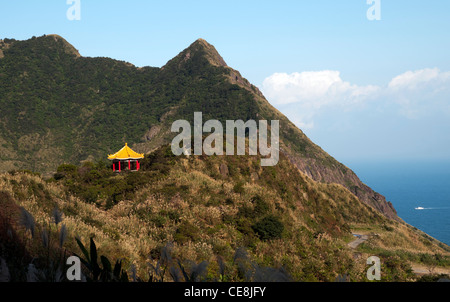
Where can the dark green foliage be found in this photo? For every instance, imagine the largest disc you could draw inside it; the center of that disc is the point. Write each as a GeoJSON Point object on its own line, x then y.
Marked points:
{"type": "Point", "coordinates": [239, 187]}
{"type": "Point", "coordinates": [97, 183]}
{"type": "Point", "coordinates": [260, 206]}
{"type": "Point", "coordinates": [91, 106]}
{"type": "Point", "coordinates": [434, 260]}
{"type": "Point", "coordinates": [395, 270]}
{"type": "Point", "coordinates": [159, 221]}
{"type": "Point", "coordinates": [270, 227]}
{"type": "Point", "coordinates": [185, 232]}
{"type": "Point", "coordinates": [245, 212]}
{"type": "Point", "coordinates": [245, 227]}
{"type": "Point", "coordinates": [159, 161]}
{"type": "Point", "coordinates": [229, 201]}
{"type": "Point", "coordinates": [172, 215]}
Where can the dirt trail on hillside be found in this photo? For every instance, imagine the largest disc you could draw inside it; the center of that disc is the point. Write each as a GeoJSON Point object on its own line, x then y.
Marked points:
{"type": "Point", "coordinates": [418, 269]}
{"type": "Point", "coordinates": [359, 239]}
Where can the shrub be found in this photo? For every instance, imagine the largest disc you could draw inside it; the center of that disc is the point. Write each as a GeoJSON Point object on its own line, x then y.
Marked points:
{"type": "Point", "coordinates": [270, 227]}
{"type": "Point", "coordinates": [171, 214]}
{"type": "Point", "coordinates": [229, 201]}
{"type": "Point", "coordinates": [185, 232]}
{"type": "Point", "coordinates": [159, 221]}
{"type": "Point", "coordinates": [67, 168]}
{"type": "Point", "coordinates": [261, 207]}
{"type": "Point", "coordinates": [245, 211]}
{"type": "Point", "coordinates": [239, 187]}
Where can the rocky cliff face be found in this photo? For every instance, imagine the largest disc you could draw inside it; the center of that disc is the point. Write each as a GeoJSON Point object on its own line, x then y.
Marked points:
{"type": "Point", "coordinates": [341, 174]}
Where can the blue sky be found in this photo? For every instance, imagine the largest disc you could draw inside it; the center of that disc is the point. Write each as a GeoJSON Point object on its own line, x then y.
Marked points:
{"type": "Point", "coordinates": [362, 90]}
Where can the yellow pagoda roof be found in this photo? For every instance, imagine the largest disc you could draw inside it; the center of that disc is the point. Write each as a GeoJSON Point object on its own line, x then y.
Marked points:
{"type": "Point", "coordinates": [125, 153]}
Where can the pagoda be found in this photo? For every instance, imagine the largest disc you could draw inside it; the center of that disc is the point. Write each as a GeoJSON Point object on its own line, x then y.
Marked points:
{"type": "Point", "coordinates": [126, 159]}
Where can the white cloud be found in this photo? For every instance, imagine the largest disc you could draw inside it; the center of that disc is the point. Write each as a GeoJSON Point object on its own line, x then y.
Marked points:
{"type": "Point", "coordinates": [420, 93]}
{"type": "Point", "coordinates": [305, 95]}
{"type": "Point", "coordinates": [420, 79]}
{"type": "Point", "coordinates": [314, 88]}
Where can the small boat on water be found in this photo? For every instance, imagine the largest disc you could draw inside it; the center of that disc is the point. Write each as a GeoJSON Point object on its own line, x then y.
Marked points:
{"type": "Point", "coordinates": [420, 208]}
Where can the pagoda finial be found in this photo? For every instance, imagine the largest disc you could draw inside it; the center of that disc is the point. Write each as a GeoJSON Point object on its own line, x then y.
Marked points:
{"type": "Point", "coordinates": [126, 144]}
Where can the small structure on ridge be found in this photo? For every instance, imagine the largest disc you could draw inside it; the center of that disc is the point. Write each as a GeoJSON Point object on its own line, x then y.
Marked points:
{"type": "Point", "coordinates": [126, 159]}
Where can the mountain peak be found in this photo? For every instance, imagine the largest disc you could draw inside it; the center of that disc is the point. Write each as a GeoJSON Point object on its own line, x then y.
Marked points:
{"type": "Point", "coordinates": [201, 41]}
{"type": "Point", "coordinates": [200, 48]}
{"type": "Point", "coordinates": [209, 50]}
{"type": "Point", "coordinates": [40, 44]}
{"type": "Point", "coordinates": [69, 48]}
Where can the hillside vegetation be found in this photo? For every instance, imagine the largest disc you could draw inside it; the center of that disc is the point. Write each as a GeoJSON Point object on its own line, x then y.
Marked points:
{"type": "Point", "coordinates": [239, 220]}
{"type": "Point", "coordinates": [59, 107]}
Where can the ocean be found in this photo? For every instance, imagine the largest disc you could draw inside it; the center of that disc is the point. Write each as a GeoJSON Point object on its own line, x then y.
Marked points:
{"type": "Point", "coordinates": [419, 191]}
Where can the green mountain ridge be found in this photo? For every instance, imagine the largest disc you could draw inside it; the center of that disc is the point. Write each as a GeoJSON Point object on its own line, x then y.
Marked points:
{"type": "Point", "coordinates": [60, 107]}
